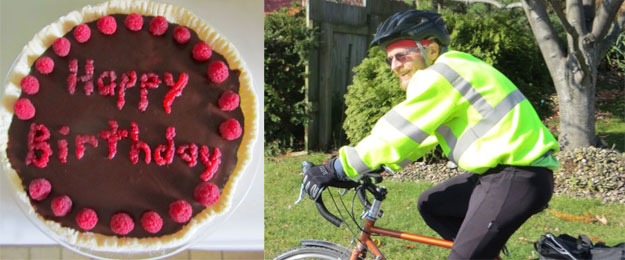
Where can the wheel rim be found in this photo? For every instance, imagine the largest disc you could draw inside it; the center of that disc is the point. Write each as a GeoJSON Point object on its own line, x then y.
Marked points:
{"type": "Point", "coordinates": [312, 256]}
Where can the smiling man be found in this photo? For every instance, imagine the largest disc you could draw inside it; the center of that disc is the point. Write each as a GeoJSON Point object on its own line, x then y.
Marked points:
{"type": "Point", "coordinates": [482, 122]}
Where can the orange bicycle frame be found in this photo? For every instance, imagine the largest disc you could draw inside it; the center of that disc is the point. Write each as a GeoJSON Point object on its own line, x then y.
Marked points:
{"type": "Point", "coordinates": [371, 229]}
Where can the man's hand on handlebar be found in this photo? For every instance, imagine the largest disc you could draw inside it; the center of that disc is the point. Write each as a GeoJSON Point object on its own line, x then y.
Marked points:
{"type": "Point", "coordinates": [317, 178]}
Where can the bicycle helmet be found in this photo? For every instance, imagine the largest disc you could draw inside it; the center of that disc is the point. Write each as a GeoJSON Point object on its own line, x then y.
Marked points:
{"type": "Point", "coordinates": [412, 25]}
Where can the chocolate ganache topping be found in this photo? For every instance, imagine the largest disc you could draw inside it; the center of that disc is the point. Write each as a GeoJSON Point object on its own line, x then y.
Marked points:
{"type": "Point", "coordinates": [110, 186]}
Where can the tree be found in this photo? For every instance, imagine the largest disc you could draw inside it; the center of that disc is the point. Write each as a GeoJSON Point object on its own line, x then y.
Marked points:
{"type": "Point", "coordinates": [591, 28]}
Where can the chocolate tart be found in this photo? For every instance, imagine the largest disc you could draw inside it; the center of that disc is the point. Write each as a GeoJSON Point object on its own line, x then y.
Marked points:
{"type": "Point", "coordinates": [164, 100]}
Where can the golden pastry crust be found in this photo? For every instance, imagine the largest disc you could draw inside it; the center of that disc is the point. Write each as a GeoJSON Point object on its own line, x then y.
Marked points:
{"type": "Point", "coordinates": [44, 39]}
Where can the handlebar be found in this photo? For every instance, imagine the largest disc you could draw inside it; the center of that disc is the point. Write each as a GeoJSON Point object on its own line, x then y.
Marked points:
{"type": "Point", "coordinates": [321, 208]}
{"type": "Point", "coordinates": [366, 185]}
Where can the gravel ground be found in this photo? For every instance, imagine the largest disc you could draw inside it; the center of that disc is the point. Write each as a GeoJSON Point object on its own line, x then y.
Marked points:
{"type": "Point", "coordinates": [584, 173]}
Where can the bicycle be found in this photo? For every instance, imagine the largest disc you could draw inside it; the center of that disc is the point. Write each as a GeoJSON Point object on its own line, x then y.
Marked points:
{"type": "Point", "coordinates": [318, 249]}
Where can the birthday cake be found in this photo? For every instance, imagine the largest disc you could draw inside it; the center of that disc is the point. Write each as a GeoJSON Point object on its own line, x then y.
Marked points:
{"type": "Point", "coordinates": [126, 125]}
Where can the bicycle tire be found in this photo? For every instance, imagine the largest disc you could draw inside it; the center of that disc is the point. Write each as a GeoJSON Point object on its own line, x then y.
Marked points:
{"type": "Point", "coordinates": [313, 252]}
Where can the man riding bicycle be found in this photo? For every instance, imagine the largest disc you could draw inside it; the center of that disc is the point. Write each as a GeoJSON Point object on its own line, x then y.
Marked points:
{"type": "Point", "coordinates": [481, 121]}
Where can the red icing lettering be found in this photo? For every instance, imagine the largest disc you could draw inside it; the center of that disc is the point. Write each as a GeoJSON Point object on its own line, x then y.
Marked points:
{"type": "Point", "coordinates": [148, 81]}
{"type": "Point", "coordinates": [191, 157]}
{"type": "Point", "coordinates": [169, 149]}
{"type": "Point", "coordinates": [63, 150]}
{"type": "Point", "coordinates": [81, 140]}
{"type": "Point", "coordinates": [108, 89]}
{"type": "Point", "coordinates": [175, 89]}
{"type": "Point", "coordinates": [73, 77]}
{"type": "Point", "coordinates": [129, 79]}
{"type": "Point", "coordinates": [211, 162]}
{"type": "Point", "coordinates": [112, 137]}
{"type": "Point", "coordinates": [138, 145]}
{"type": "Point", "coordinates": [38, 137]}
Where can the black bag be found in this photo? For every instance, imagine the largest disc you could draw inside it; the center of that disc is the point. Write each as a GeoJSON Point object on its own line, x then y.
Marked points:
{"type": "Point", "coordinates": [564, 246]}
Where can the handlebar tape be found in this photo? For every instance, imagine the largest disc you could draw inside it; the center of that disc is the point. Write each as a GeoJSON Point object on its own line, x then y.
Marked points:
{"type": "Point", "coordinates": [321, 208]}
{"type": "Point", "coordinates": [326, 214]}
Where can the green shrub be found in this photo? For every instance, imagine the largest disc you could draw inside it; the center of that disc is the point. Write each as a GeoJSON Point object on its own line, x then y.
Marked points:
{"type": "Point", "coordinates": [508, 45]}
{"type": "Point", "coordinates": [287, 42]}
{"type": "Point", "coordinates": [375, 90]}
{"type": "Point", "coordinates": [616, 54]}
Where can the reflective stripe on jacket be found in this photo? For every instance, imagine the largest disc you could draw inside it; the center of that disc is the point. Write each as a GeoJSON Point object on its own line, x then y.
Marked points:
{"type": "Point", "coordinates": [474, 112]}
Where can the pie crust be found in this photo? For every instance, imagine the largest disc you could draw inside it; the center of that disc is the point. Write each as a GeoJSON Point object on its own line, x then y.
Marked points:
{"type": "Point", "coordinates": [44, 39]}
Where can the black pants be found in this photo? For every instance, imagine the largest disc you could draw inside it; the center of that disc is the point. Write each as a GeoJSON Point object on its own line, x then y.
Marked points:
{"type": "Point", "coordinates": [480, 212]}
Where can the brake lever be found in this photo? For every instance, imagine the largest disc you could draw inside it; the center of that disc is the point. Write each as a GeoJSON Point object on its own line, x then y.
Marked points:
{"type": "Point", "coordinates": [302, 192]}
{"type": "Point", "coordinates": [387, 169]}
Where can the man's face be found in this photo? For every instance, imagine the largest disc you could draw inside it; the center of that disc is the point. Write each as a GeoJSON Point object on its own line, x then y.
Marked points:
{"type": "Point", "coordinates": [405, 61]}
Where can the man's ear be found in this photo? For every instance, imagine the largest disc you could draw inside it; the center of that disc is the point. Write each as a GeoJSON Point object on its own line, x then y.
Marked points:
{"type": "Point", "coordinates": [433, 51]}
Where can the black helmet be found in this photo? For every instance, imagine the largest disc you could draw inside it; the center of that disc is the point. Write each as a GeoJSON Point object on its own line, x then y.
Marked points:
{"type": "Point", "coordinates": [412, 25]}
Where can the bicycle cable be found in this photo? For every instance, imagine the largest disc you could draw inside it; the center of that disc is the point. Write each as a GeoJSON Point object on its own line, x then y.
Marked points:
{"type": "Point", "coordinates": [355, 237]}
{"type": "Point", "coordinates": [339, 211]}
{"type": "Point", "coordinates": [352, 216]}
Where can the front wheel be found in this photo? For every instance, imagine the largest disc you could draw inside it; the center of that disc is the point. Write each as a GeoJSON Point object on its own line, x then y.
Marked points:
{"type": "Point", "coordinates": [315, 250]}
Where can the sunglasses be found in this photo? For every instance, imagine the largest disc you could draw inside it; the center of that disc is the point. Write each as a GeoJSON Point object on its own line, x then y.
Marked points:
{"type": "Point", "coordinates": [400, 56]}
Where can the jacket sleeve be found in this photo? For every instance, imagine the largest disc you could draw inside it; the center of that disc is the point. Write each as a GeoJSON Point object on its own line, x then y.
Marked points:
{"type": "Point", "coordinates": [405, 133]}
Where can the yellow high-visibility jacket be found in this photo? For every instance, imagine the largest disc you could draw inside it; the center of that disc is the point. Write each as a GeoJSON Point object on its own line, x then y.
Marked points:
{"type": "Point", "coordinates": [474, 112]}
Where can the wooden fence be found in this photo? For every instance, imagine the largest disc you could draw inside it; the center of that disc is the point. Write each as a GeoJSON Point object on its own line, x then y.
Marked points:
{"type": "Point", "coordinates": [345, 33]}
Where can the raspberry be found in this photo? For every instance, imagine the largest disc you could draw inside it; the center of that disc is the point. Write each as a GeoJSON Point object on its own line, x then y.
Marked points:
{"type": "Point", "coordinates": [211, 162]}
{"type": "Point", "coordinates": [39, 189]}
{"type": "Point", "coordinates": [206, 193]}
{"type": "Point", "coordinates": [121, 223]}
{"type": "Point", "coordinates": [30, 85]}
{"type": "Point", "coordinates": [82, 33]}
{"type": "Point", "coordinates": [158, 25]}
{"type": "Point", "coordinates": [228, 101]}
{"type": "Point", "coordinates": [201, 51]}
{"type": "Point", "coordinates": [182, 34]}
{"type": "Point", "coordinates": [180, 211]}
{"type": "Point", "coordinates": [230, 129]}
{"type": "Point", "coordinates": [134, 22]}
{"type": "Point", "coordinates": [61, 46]}
{"type": "Point", "coordinates": [44, 65]}
{"type": "Point", "coordinates": [107, 25]}
{"type": "Point", "coordinates": [86, 218]}
{"type": "Point", "coordinates": [24, 109]}
{"type": "Point", "coordinates": [217, 71]}
{"type": "Point", "coordinates": [151, 222]}
{"type": "Point", "coordinates": [61, 205]}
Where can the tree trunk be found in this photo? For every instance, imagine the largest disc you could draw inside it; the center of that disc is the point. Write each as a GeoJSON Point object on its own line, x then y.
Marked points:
{"type": "Point", "coordinates": [576, 98]}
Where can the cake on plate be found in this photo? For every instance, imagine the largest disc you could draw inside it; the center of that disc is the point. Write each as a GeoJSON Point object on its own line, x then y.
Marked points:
{"type": "Point", "coordinates": [126, 125]}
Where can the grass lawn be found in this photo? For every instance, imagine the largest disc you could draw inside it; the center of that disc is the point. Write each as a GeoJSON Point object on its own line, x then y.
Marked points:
{"type": "Point", "coordinates": [286, 225]}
